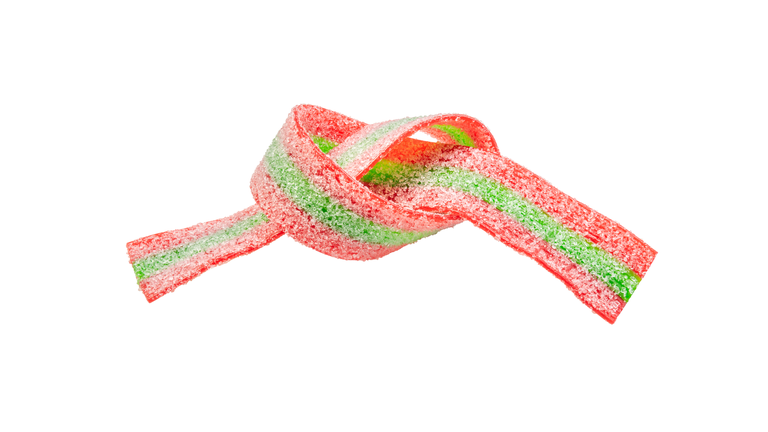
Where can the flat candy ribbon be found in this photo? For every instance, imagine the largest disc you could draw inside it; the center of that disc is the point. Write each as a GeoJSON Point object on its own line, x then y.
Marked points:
{"type": "Point", "coordinates": [361, 191]}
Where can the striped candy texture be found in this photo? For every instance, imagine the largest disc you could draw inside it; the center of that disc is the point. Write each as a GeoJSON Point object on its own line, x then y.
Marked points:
{"type": "Point", "coordinates": [361, 191]}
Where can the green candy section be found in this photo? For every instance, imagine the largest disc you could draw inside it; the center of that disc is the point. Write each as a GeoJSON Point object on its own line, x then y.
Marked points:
{"type": "Point", "coordinates": [622, 280]}
{"type": "Point", "coordinates": [325, 145]}
{"type": "Point", "coordinates": [369, 140]}
{"type": "Point", "coordinates": [457, 134]}
{"type": "Point", "coordinates": [158, 262]}
{"type": "Point", "coordinates": [326, 210]}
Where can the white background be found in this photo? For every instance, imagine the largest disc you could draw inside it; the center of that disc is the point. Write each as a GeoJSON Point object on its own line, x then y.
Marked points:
{"type": "Point", "coordinates": [122, 120]}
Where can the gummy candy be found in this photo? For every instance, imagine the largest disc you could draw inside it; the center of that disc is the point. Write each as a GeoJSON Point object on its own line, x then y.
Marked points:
{"type": "Point", "coordinates": [360, 191]}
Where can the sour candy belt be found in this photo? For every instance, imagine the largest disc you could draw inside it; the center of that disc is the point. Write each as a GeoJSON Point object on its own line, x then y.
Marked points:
{"type": "Point", "coordinates": [360, 191]}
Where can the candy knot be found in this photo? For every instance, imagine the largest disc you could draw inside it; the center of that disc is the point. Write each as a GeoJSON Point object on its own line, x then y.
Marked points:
{"type": "Point", "coordinates": [361, 191]}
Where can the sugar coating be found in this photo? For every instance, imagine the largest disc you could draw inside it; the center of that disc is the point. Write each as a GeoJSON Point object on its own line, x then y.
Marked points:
{"type": "Point", "coordinates": [314, 201]}
{"type": "Point", "coordinates": [577, 248]}
{"type": "Point", "coordinates": [164, 261]}
{"type": "Point", "coordinates": [303, 228]}
{"type": "Point", "coordinates": [186, 270]}
{"type": "Point", "coordinates": [154, 263]}
{"type": "Point", "coordinates": [598, 229]}
{"type": "Point", "coordinates": [342, 187]}
{"type": "Point", "coordinates": [361, 191]}
{"type": "Point", "coordinates": [367, 141]}
{"type": "Point", "coordinates": [163, 241]}
{"type": "Point", "coordinates": [452, 129]}
{"type": "Point", "coordinates": [601, 298]}
{"type": "Point", "coordinates": [457, 134]}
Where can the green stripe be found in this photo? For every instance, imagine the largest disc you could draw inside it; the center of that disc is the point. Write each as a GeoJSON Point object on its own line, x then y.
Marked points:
{"type": "Point", "coordinates": [153, 264]}
{"type": "Point", "coordinates": [369, 140]}
{"type": "Point", "coordinates": [324, 144]}
{"type": "Point", "coordinates": [622, 280]}
{"type": "Point", "coordinates": [327, 210]}
{"type": "Point", "coordinates": [457, 134]}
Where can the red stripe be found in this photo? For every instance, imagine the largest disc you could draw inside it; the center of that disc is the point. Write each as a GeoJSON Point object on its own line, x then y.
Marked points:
{"type": "Point", "coordinates": [326, 123]}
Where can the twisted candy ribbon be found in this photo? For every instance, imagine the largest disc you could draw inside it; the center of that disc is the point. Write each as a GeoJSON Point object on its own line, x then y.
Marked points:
{"type": "Point", "coordinates": [361, 191]}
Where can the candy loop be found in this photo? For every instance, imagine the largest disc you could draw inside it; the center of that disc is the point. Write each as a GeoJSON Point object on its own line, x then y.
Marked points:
{"type": "Point", "coordinates": [361, 191]}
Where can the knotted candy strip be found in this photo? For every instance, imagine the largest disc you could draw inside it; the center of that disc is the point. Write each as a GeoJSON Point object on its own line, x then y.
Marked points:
{"type": "Point", "coordinates": [358, 191]}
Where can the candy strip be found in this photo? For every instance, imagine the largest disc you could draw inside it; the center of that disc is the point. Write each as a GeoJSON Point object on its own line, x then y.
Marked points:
{"type": "Point", "coordinates": [160, 261]}
{"type": "Point", "coordinates": [603, 232]}
{"type": "Point", "coordinates": [578, 249]}
{"type": "Point", "coordinates": [358, 191]}
{"type": "Point", "coordinates": [602, 299]}
{"type": "Point", "coordinates": [164, 261]}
